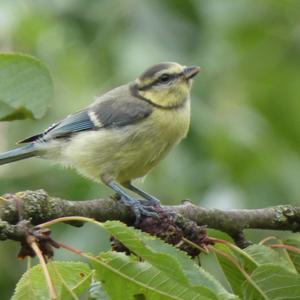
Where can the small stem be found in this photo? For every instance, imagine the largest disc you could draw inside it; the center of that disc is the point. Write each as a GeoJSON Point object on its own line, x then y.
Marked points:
{"type": "Point", "coordinates": [234, 248]}
{"type": "Point", "coordinates": [287, 247]}
{"type": "Point", "coordinates": [204, 250]}
{"type": "Point", "coordinates": [267, 239]}
{"type": "Point", "coordinates": [70, 248]}
{"type": "Point", "coordinates": [29, 263]}
{"type": "Point", "coordinates": [68, 219]}
{"type": "Point", "coordinates": [41, 258]}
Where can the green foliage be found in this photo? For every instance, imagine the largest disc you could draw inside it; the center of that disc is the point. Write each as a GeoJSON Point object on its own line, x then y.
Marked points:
{"type": "Point", "coordinates": [294, 257]}
{"type": "Point", "coordinates": [124, 277]}
{"type": "Point", "coordinates": [156, 270]}
{"type": "Point", "coordinates": [235, 266]}
{"type": "Point", "coordinates": [71, 279]}
{"type": "Point", "coordinates": [171, 261]}
{"type": "Point", "coordinates": [260, 272]}
{"type": "Point", "coordinates": [25, 87]}
{"type": "Point", "coordinates": [219, 235]}
{"type": "Point", "coordinates": [274, 283]}
{"type": "Point", "coordinates": [263, 255]}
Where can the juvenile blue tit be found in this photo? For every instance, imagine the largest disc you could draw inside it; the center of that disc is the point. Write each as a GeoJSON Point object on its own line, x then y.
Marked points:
{"type": "Point", "coordinates": [123, 134]}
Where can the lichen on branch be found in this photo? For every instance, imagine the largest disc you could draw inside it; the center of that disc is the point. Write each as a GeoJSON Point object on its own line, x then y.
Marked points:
{"type": "Point", "coordinates": [38, 207]}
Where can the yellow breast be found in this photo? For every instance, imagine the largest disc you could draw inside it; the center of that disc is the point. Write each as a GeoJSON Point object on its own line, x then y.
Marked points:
{"type": "Point", "coordinates": [158, 135]}
{"type": "Point", "coordinates": [173, 124]}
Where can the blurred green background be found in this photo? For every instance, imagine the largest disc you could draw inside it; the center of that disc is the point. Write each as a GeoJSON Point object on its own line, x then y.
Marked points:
{"type": "Point", "coordinates": [243, 146]}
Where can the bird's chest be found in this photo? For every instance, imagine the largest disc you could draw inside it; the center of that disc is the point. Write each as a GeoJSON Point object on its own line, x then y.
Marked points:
{"type": "Point", "coordinates": [154, 139]}
{"type": "Point", "coordinates": [170, 126]}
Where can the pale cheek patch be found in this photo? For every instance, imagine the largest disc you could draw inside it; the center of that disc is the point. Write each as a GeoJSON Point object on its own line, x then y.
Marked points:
{"type": "Point", "coordinates": [95, 119]}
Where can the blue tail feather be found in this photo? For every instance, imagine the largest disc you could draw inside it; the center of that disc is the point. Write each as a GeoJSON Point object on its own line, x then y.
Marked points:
{"type": "Point", "coordinates": [18, 154]}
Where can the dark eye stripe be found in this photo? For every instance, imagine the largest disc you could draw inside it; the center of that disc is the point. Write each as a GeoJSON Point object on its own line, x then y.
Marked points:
{"type": "Point", "coordinates": [157, 82]}
{"type": "Point", "coordinates": [165, 79]}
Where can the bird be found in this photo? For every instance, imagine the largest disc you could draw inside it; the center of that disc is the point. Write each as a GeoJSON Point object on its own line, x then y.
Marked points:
{"type": "Point", "coordinates": [122, 134]}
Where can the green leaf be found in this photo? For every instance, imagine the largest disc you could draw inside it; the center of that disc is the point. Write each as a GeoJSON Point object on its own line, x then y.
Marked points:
{"type": "Point", "coordinates": [25, 87]}
{"type": "Point", "coordinates": [232, 271]}
{"type": "Point", "coordinates": [295, 257]}
{"type": "Point", "coordinates": [69, 279]}
{"type": "Point", "coordinates": [173, 262]}
{"type": "Point", "coordinates": [97, 292]}
{"type": "Point", "coordinates": [275, 283]}
{"type": "Point", "coordinates": [5, 110]}
{"type": "Point", "coordinates": [236, 265]}
{"type": "Point", "coordinates": [124, 277]}
{"type": "Point", "coordinates": [82, 286]}
{"type": "Point", "coordinates": [247, 261]}
{"type": "Point", "coordinates": [264, 255]}
{"type": "Point", "coordinates": [219, 235]}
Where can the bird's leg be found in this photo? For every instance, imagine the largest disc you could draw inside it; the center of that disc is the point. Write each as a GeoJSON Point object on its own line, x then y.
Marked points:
{"type": "Point", "coordinates": [151, 201]}
{"type": "Point", "coordinates": [138, 208]}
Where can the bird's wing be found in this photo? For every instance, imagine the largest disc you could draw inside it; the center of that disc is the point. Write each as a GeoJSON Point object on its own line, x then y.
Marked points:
{"type": "Point", "coordinates": [110, 113]}
{"type": "Point", "coordinates": [120, 112]}
{"type": "Point", "coordinates": [73, 123]}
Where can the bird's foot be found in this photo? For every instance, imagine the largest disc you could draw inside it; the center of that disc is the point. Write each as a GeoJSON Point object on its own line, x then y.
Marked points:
{"type": "Point", "coordinates": [151, 202]}
{"type": "Point", "coordinates": [139, 208]}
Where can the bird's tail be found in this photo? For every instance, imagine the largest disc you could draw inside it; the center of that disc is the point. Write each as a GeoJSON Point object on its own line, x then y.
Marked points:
{"type": "Point", "coordinates": [27, 151]}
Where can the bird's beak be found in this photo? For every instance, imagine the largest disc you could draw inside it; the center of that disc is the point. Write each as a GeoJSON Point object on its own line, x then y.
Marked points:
{"type": "Point", "coordinates": [190, 72]}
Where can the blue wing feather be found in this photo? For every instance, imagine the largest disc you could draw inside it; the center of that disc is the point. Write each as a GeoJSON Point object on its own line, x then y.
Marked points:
{"type": "Point", "coordinates": [71, 124]}
{"type": "Point", "coordinates": [112, 113]}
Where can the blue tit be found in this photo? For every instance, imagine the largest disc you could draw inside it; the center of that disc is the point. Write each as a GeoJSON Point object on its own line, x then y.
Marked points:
{"type": "Point", "coordinates": [123, 134]}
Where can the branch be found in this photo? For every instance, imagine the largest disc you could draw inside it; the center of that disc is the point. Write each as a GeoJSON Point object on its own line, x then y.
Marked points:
{"type": "Point", "coordinates": [235, 221]}
{"type": "Point", "coordinates": [39, 207]}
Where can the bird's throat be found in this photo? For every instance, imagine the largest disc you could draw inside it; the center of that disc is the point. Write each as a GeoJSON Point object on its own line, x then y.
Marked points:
{"type": "Point", "coordinates": [162, 99]}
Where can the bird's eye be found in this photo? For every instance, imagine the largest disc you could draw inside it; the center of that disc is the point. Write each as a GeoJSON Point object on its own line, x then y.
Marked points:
{"type": "Point", "coordinates": [164, 78]}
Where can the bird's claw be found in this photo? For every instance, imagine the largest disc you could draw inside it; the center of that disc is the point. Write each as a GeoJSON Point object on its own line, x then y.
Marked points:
{"type": "Point", "coordinates": [139, 209]}
{"type": "Point", "coordinates": [151, 202]}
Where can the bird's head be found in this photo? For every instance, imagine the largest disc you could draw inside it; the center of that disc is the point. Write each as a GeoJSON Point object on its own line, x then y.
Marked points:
{"type": "Point", "coordinates": [166, 84]}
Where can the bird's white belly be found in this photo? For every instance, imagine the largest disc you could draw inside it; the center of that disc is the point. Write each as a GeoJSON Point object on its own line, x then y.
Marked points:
{"type": "Point", "coordinates": [129, 152]}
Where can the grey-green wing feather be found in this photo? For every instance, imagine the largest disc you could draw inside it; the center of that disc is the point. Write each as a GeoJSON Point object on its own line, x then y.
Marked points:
{"type": "Point", "coordinates": [110, 113]}
{"type": "Point", "coordinates": [118, 113]}
{"type": "Point", "coordinates": [71, 124]}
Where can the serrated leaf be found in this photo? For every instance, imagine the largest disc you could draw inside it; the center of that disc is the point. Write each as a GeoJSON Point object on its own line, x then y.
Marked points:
{"type": "Point", "coordinates": [32, 284]}
{"type": "Point", "coordinates": [173, 262]}
{"type": "Point", "coordinates": [275, 283]}
{"type": "Point", "coordinates": [124, 277]}
{"type": "Point", "coordinates": [25, 87]}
